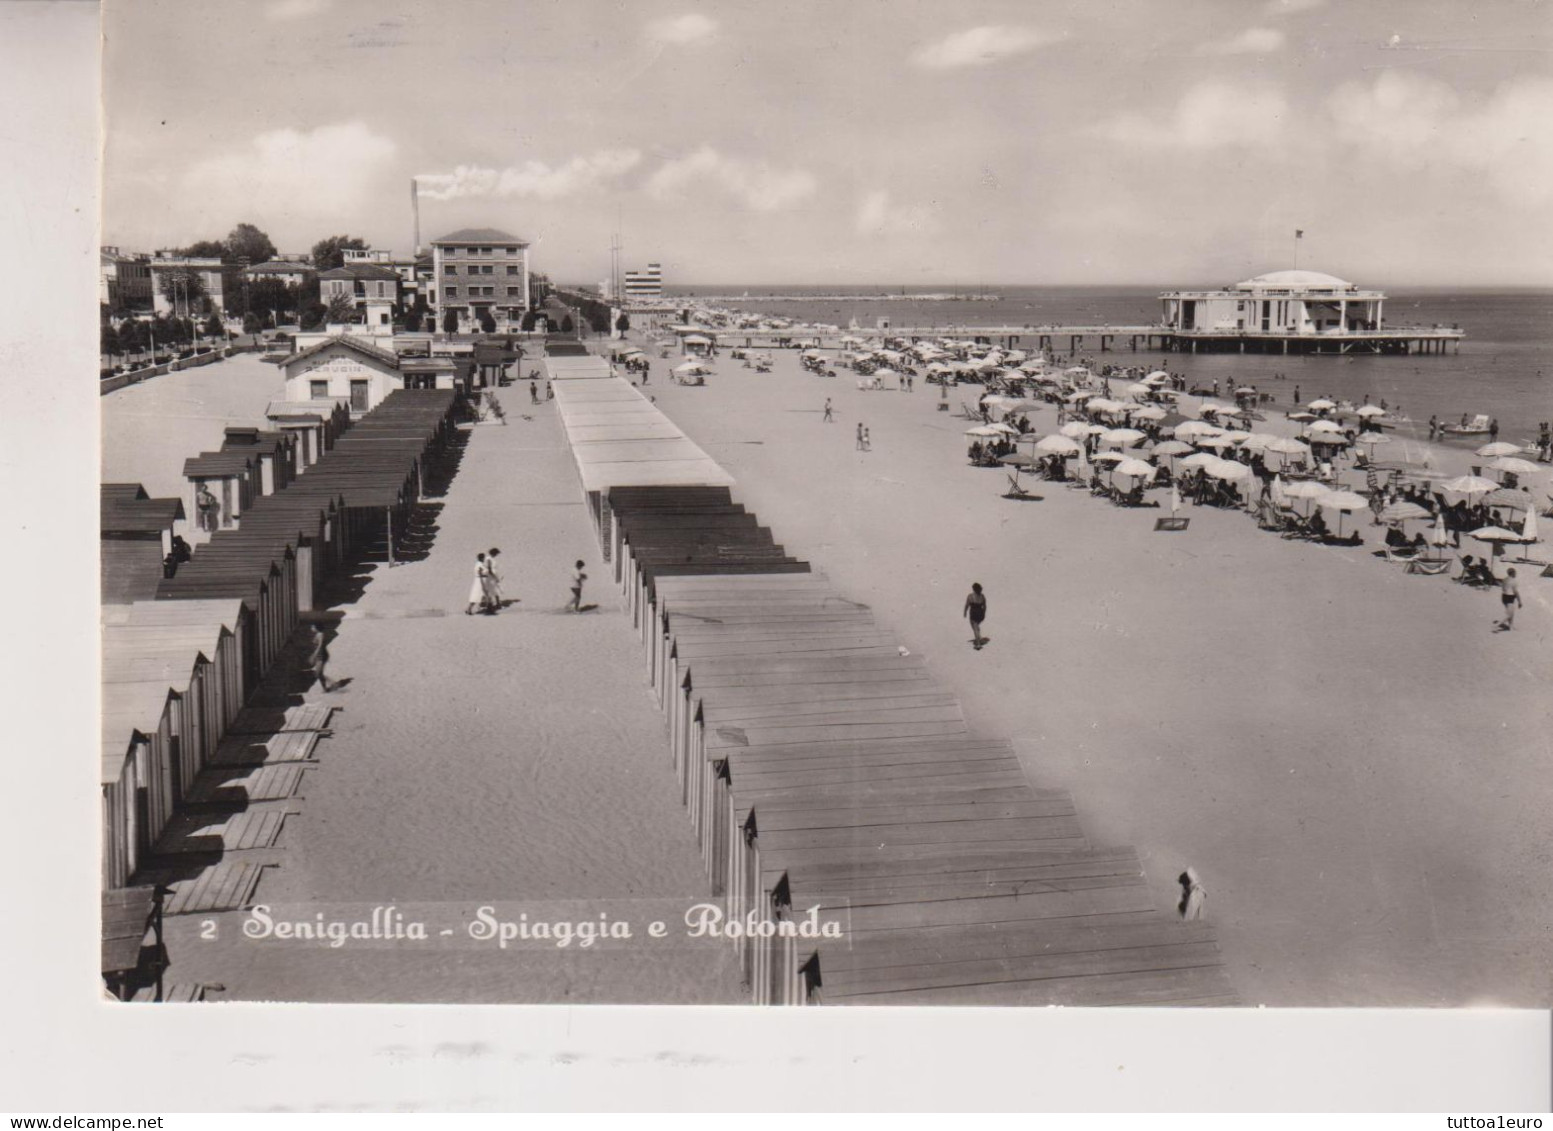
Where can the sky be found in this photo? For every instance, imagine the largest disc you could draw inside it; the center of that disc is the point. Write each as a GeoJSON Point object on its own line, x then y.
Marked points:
{"type": "Point", "coordinates": [889, 142]}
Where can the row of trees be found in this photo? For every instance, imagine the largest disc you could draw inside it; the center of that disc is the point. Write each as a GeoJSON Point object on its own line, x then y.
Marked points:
{"type": "Point", "coordinates": [139, 336]}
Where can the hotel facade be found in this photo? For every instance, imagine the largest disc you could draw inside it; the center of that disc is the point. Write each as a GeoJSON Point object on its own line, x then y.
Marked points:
{"type": "Point", "coordinates": [478, 271]}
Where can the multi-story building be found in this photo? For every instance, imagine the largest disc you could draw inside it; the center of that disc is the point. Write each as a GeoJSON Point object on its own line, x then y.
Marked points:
{"type": "Point", "coordinates": [184, 287]}
{"type": "Point", "coordinates": [646, 284]}
{"type": "Point", "coordinates": [365, 284]}
{"type": "Point", "coordinates": [125, 281]}
{"type": "Point", "coordinates": [480, 271]}
{"type": "Point", "coordinates": [287, 271]}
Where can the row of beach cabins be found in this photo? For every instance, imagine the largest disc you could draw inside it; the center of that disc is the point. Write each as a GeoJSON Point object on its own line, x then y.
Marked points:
{"type": "Point", "coordinates": [865, 844]}
{"type": "Point", "coordinates": [189, 636]}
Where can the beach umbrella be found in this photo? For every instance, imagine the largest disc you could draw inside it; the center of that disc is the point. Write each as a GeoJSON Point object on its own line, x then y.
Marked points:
{"type": "Point", "coordinates": [1237, 437]}
{"type": "Point", "coordinates": [1335, 439]}
{"type": "Point", "coordinates": [1529, 527]}
{"type": "Point", "coordinates": [1287, 447]}
{"type": "Point", "coordinates": [1257, 441]}
{"type": "Point", "coordinates": [1082, 395]}
{"type": "Point", "coordinates": [1228, 469]}
{"type": "Point", "coordinates": [1233, 412]}
{"type": "Point", "coordinates": [1307, 489]}
{"type": "Point", "coordinates": [1190, 428]}
{"type": "Point", "coordinates": [1018, 460]}
{"type": "Point", "coordinates": [1212, 407]}
{"type": "Point", "coordinates": [1023, 404]}
{"type": "Point", "coordinates": [1324, 426]}
{"type": "Point", "coordinates": [1199, 459]}
{"type": "Point", "coordinates": [987, 430]}
{"type": "Point", "coordinates": [1112, 457]}
{"type": "Point", "coordinates": [1275, 491]}
{"type": "Point", "coordinates": [1343, 500]}
{"type": "Point", "coordinates": [1158, 377]}
{"type": "Point", "coordinates": [1441, 536]}
{"type": "Point", "coordinates": [1126, 437]}
{"type": "Point", "coordinates": [998, 400]}
{"type": "Point", "coordinates": [1302, 417]}
{"type": "Point", "coordinates": [1402, 512]}
{"type": "Point", "coordinates": [1075, 429]}
{"type": "Point", "coordinates": [1059, 445]}
{"type": "Point", "coordinates": [1498, 448]}
{"type": "Point", "coordinates": [1370, 410]}
{"type": "Point", "coordinates": [1004, 429]}
{"type": "Point", "coordinates": [1321, 404]}
{"type": "Point", "coordinates": [1495, 534]}
{"type": "Point", "coordinates": [1217, 443]}
{"type": "Point", "coordinates": [1076, 371]}
{"type": "Point", "coordinates": [691, 367]}
{"type": "Point", "coordinates": [1095, 429]}
{"type": "Point", "coordinates": [1469, 485]}
{"type": "Point", "coordinates": [1373, 438]}
{"type": "Point", "coordinates": [1134, 469]}
{"type": "Point", "coordinates": [1514, 465]}
{"type": "Point", "coordinates": [1510, 499]}
{"type": "Point", "coordinates": [1172, 448]}
{"type": "Point", "coordinates": [1139, 389]}
{"type": "Point", "coordinates": [1152, 412]}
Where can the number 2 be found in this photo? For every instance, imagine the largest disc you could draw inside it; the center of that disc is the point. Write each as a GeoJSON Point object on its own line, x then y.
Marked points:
{"type": "Point", "coordinates": [207, 928]}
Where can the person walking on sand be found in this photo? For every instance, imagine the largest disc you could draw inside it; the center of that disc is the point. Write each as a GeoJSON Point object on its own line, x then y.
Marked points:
{"type": "Point", "coordinates": [317, 657]}
{"type": "Point", "coordinates": [477, 587]}
{"type": "Point", "coordinates": [860, 436]}
{"type": "Point", "coordinates": [1434, 427]}
{"type": "Point", "coordinates": [976, 610]}
{"type": "Point", "coordinates": [533, 391]}
{"type": "Point", "coordinates": [577, 578]}
{"type": "Point", "coordinates": [868, 443]}
{"type": "Point", "coordinates": [1193, 895]}
{"type": "Point", "coordinates": [830, 417]}
{"type": "Point", "coordinates": [493, 599]}
{"type": "Point", "coordinates": [1510, 597]}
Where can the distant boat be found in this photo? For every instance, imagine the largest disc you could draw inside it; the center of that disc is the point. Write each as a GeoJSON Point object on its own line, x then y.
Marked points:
{"type": "Point", "coordinates": [1479, 425]}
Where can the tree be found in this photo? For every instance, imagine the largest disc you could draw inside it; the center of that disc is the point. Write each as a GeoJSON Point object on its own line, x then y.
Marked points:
{"type": "Point", "coordinates": [313, 315]}
{"type": "Point", "coordinates": [412, 322]}
{"type": "Point", "coordinates": [110, 341]}
{"type": "Point", "coordinates": [213, 326]}
{"type": "Point", "coordinates": [450, 322]}
{"type": "Point", "coordinates": [184, 290]}
{"type": "Point", "coordinates": [132, 336]}
{"type": "Point", "coordinates": [330, 253]}
{"type": "Point", "coordinates": [269, 296]}
{"type": "Point", "coordinates": [252, 323]}
{"type": "Point", "coordinates": [487, 323]}
{"type": "Point", "coordinates": [246, 242]}
{"type": "Point", "coordinates": [567, 325]}
{"type": "Point", "coordinates": [341, 308]}
{"type": "Point", "coordinates": [205, 249]}
{"type": "Point", "coordinates": [622, 323]}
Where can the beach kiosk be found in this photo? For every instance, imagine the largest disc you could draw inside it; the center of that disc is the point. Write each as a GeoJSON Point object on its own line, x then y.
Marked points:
{"type": "Point", "coordinates": [136, 533]}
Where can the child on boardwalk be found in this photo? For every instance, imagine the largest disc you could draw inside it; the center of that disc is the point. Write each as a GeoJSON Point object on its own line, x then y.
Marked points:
{"type": "Point", "coordinates": [578, 577]}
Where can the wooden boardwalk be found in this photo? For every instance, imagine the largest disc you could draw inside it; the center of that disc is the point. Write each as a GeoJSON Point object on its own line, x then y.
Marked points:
{"type": "Point", "coordinates": [824, 768]}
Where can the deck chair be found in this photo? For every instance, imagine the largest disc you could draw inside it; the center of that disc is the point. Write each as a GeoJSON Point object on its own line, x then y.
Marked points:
{"type": "Point", "coordinates": [1016, 489]}
{"type": "Point", "coordinates": [1396, 554]}
{"type": "Point", "coordinates": [1430, 566]}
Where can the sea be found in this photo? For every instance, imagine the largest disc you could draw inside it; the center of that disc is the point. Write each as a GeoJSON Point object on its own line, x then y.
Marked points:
{"type": "Point", "coordinates": [1502, 367]}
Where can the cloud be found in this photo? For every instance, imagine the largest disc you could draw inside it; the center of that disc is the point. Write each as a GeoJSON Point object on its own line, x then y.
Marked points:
{"type": "Point", "coordinates": [878, 215]}
{"type": "Point", "coordinates": [1211, 115]}
{"type": "Point", "coordinates": [533, 179]}
{"type": "Point", "coordinates": [295, 9]}
{"type": "Point", "coordinates": [689, 28]}
{"type": "Point", "coordinates": [1291, 7]}
{"type": "Point", "coordinates": [329, 170]}
{"type": "Point", "coordinates": [1418, 123]}
{"type": "Point", "coordinates": [1252, 41]}
{"type": "Point", "coordinates": [754, 184]}
{"type": "Point", "coordinates": [979, 46]}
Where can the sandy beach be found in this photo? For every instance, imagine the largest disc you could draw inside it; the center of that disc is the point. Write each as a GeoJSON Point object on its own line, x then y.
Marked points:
{"type": "Point", "coordinates": [1350, 756]}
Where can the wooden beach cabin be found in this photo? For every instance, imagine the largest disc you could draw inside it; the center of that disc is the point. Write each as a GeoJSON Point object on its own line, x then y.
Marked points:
{"type": "Point", "coordinates": [136, 536]}
{"type": "Point", "coordinates": [230, 476]}
{"type": "Point", "coordinates": [275, 451]}
{"type": "Point", "coordinates": [315, 424]}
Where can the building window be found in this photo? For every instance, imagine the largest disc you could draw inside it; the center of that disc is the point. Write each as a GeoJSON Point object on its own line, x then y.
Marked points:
{"type": "Point", "coordinates": [512, 292]}
{"type": "Point", "coordinates": [485, 251]}
{"type": "Point", "coordinates": [512, 251]}
{"type": "Point", "coordinates": [450, 292]}
{"type": "Point", "coordinates": [512, 269]}
{"type": "Point", "coordinates": [450, 270]}
{"type": "Point", "coordinates": [318, 390]}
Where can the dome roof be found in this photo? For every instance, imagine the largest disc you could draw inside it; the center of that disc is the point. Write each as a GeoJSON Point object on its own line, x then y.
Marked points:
{"type": "Point", "coordinates": [1294, 279]}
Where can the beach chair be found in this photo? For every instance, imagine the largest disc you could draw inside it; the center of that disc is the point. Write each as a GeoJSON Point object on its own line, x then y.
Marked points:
{"type": "Point", "coordinates": [1406, 555]}
{"type": "Point", "coordinates": [1427, 565]}
{"type": "Point", "coordinates": [1016, 489]}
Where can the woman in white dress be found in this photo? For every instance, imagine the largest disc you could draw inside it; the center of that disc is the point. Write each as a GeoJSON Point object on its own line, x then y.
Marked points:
{"type": "Point", "coordinates": [477, 587]}
{"type": "Point", "coordinates": [493, 600]}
